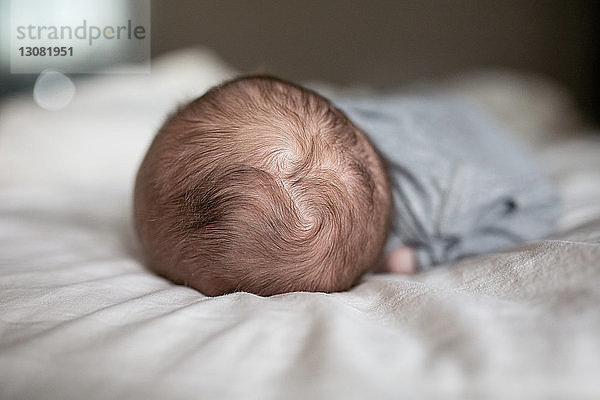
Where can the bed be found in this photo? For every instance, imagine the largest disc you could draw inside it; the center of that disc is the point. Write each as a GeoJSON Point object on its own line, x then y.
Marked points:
{"type": "Point", "coordinates": [81, 317]}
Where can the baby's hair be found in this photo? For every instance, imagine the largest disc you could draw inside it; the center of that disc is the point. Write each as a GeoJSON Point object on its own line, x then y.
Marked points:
{"type": "Point", "coordinates": [263, 186]}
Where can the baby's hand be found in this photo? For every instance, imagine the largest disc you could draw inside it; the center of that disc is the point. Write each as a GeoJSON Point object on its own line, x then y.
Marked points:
{"type": "Point", "coordinates": [401, 260]}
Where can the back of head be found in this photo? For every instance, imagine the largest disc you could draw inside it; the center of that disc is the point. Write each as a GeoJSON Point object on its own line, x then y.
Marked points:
{"type": "Point", "coordinates": [262, 186]}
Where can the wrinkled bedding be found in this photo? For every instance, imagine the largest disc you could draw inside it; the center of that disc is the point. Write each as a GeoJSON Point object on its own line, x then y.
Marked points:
{"type": "Point", "coordinates": [80, 316]}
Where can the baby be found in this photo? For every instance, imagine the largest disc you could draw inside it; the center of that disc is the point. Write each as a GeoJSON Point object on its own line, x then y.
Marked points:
{"type": "Point", "coordinates": [263, 186]}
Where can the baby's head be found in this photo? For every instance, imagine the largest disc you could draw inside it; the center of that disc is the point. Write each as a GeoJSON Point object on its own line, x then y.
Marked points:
{"type": "Point", "coordinates": [262, 186]}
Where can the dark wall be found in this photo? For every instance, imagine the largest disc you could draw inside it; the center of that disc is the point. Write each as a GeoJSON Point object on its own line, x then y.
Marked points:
{"type": "Point", "coordinates": [389, 42]}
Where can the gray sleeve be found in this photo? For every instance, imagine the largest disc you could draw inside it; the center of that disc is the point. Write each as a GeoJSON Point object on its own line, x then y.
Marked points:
{"type": "Point", "coordinates": [483, 213]}
{"type": "Point", "coordinates": [461, 187]}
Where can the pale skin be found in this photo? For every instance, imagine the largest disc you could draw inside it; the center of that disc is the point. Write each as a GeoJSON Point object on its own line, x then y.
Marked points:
{"type": "Point", "coordinates": [400, 260]}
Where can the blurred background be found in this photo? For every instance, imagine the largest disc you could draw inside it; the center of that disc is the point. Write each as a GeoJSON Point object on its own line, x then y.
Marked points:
{"type": "Point", "coordinates": [381, 43]}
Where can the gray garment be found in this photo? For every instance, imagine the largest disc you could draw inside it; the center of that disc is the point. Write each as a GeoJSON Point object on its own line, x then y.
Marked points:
{"type": "Point", "coordinates": [461, 186]}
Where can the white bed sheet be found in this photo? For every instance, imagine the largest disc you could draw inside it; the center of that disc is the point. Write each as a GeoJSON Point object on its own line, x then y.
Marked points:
{"type": "Point", "coordinates": [80, 317]}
